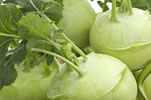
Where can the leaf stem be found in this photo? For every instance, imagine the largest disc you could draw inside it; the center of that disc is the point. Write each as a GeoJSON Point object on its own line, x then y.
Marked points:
{"type": "Point", "coordinates": [35, 7]}
{"type": "Point", "coordinates": [9, 35]}
{"type": "Point", "coordinates": [104, 5]}
{"type": "Point", "coordinates": [9, 53]}
{"type": "Point", "coordinates": [141, 78]}
{"type": "Point", "coordinates": [79, 71]}
{"type": "Point", "coordinates": [130, 7]}
{"type": "Point", "coordinates": [62, 34]}
{"type": "Point", "coordinates": [113, 18]}
{"type": "Point", "coordinates": [27, 64]}
{"type": "Point", "coordinates": [68, 40]}
{"type": "Point", "coordinates": [74, 46]}
{"type": "Point", "coordinates": [57, 63]}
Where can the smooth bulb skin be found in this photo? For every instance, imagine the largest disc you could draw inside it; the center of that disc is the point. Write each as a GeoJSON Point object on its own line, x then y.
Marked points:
{"type": "Point", "coordinates": [128, 39]}
{"type": "Point", "coordinates": [105, 78]}
{"type": "Point", "coordinates": [78, 17]}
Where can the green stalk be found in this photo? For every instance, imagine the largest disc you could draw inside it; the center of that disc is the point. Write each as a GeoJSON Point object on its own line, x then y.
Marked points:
{"type": "Point", "coordinates": [35, 7]}
{"type": "Point", "coordinates": [10, 53]}
{"type": "Point", "coordinates": [79, 71]}
{"type": "Point", "coordinates": [123, 7]}
{"type": "Point", "coordinates": [27, 64]}
{"type": "Point", "coordinates": [68, 40]}
{"type": "Point", "coordinates": [104, 5]}
{"type": "Point", "coordinates": [113, 18]}
{"type": "Point", "coordinates": [74, 46]}
{"type": "Point", "coordinates": [46, 68]}
{"type": "Point", "coordinates": [10, 35]}
{"type": "Point", "coordinates": [141, 78]}
{"type": "Point", "coordinates": [56, 62]}
{"type": "Point", "coordinates": [54, 44]}
{"type": "Point", "coordinates": [62, 34]}
{"type": "Point", "coordinates": [130, 7]}
{"type": "Point", "coordinates": [51, 42]}
{"type": "Point", "coordinates": [53, 71]}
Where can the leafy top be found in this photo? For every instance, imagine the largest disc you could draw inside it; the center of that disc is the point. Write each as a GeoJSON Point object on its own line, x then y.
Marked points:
{"type": "Point", "coordinates": [27, 28]}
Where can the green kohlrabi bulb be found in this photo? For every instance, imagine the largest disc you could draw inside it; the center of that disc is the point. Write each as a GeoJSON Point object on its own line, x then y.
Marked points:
{"type": "Point", "coordinates": [31, 85]}
{"type": "Point", "coordinates": [105, 78]}
{"type": "Point", "coordinates": [129, 38]}
{"type": "Point", "coordinates": [78, 16]}
{"type": "Point", "coordinates": [147, 86]}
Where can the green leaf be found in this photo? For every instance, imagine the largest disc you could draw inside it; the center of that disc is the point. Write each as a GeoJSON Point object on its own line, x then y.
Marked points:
{"type": "Point", "coordinates": [19, 54]}
{"type": "Point", "coordinates": [52, 8]}
{"type": "Point", "coordinates": [15, 15]}
{"type": "Point", "coordinates": [5, 20]}
{"type": "Point", "coordinates": [4, 44]}
{"type": "Point", "coordinates": [36, 58]}
{"type": "Point", "coordinates": [31, 43]}
{"type": "Point", "coordinates": [33, 26]}
{"type": "Point", "coordinates": [50, 60]}
{"type": "Point", "coordinates": [103, 5]}
{"type": "Point", "coordinates": [8, 73]}
{"type": "Point", "coordinates": [148, 4]}
{"type": "Point", "coordinates": [9, 1]}
{"type": "Point", "coordinates": [9, 16]}
{"type": "Point", "coordinates": [26, 5]}
{"type": "Point", "coordinates": [142, 4]}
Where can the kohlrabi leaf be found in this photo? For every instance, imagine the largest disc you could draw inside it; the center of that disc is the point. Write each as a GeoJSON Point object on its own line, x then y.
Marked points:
{"type": "Point", "coordinates": [20, 53]}
{"type": "Point", "coordinates": [52, 8]}
{"type": "Point", "coordinates": [103, 5]}
{"type": "Point", "coordinates": [9, 16]}
{"type": "Point", "coordinates": [8, 73]}
{"type": "Point", "coordinates": [5, 20]}
{"type": "Point", "coordinates": [142, 4]}
{"type": "Point", "coordinates": [35, 58]}
{"type": "Point", "coordinates": [148, 4]}
{"type": "Point", "coordinates": [50, 60]}
{"type": "Point", "coordinates": [32, 26]}
{"type": "Point", "coordinates": [15, 15]}
{"type": "Point", "coordinates": [31, 43]}
{"type": "Point", "coordinates": [4, 44]}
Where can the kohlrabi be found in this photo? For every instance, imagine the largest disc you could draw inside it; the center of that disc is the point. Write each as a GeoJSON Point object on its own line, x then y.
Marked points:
{"type": "Point", "coordinates": [78, 17]}
{"type": "Point", "coordinates": [125, 33]}
{"type": "Point", "coordinates": [144, 83]}
{"type": "Point", "coordinates": [91, 77]}
{"type": "Point", "coordinates": [104, 78]}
